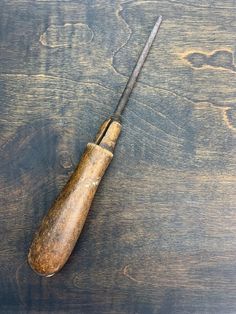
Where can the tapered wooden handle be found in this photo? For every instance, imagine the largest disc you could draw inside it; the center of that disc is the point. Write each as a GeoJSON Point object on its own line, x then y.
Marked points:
{"type": "Point", "coordinates": [61, 227]}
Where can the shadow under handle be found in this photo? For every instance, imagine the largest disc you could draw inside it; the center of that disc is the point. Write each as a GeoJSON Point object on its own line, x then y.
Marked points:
{"type": "Point", "coordinates": [61, 227]}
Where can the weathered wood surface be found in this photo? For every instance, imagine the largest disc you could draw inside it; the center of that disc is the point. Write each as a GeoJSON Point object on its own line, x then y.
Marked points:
{"type": "Point", "coordinates": [161, 234]}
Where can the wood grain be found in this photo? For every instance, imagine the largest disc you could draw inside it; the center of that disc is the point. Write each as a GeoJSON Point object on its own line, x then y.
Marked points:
{"type": "Point", "coordinates": [161, 235]}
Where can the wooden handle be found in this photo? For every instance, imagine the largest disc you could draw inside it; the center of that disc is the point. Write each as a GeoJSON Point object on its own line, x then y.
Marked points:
{"type": "Point", "coordinates": [61, 227]}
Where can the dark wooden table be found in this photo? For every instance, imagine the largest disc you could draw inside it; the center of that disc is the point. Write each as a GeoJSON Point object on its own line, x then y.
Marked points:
{"type": "Point", "coordinates": [161, 234]}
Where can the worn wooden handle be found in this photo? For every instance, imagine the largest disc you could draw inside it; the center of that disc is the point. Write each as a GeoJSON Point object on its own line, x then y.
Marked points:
{"type": "Point", "coordinates": [61, 227]}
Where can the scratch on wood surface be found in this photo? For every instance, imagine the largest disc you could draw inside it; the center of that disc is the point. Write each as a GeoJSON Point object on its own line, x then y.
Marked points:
{"type": "Point", "coordinates": [179, 271]}
{"type": "Point", "coordinates": [67, 35]}
{"type": "Point", "coordinates": [160, 272]}
{"type": "Point", "coordinates": [169, 91]}
{"type": "Point", "coordinates": [175, 140]}
{"type": "Point", "coordinates": [126, 274]}
{"type": "Point", "coordinates": [157, 112]}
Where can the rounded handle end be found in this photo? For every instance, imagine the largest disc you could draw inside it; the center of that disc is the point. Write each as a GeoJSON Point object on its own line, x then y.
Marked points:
{"type": "Point", "coordinates": [38, 270]}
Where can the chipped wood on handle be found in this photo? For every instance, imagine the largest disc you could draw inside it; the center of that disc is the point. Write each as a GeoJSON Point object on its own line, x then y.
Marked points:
{"type": "Point", "coordinates": [61, 227]}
